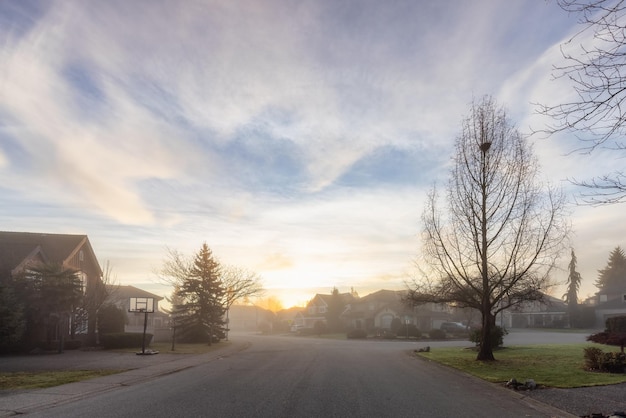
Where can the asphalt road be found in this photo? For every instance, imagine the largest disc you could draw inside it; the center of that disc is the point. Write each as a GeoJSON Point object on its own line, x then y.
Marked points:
{"type": "Point", "coordinates": [302, 377]}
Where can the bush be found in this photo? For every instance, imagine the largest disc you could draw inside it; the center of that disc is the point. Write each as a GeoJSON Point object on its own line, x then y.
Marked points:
{"type": "Point", "coordinates": [111, 320]}
{"type": "Point", "coordinates": [614, 334]}
{"type": "Point", "coordinates": [72, 344]}
{"type": "Point", "coordinates": [357, 333]}
{"type": "Point", "coordinates": [54, 345]}
{"type": "Point", "coordinates": [396, 325]}
{"type": "Point", "coordinates": [410, 330]}
{"type": "Point", "coordinates": [613, 362]}
{"type": "Point", "coordinates": [616, 324]}
{"type": "Point", "coordinates": [437, 334]}
{"type": "Point", "coordinates": [497, 336]}
{"type": "Point", "coordinates": [593, 358]}
{"type": "Point", "coordinates": [124, 340]}
{"type": "Point", "coordinates": [596, 359]}
{"type": "Point", "coordinates": [320, 327]}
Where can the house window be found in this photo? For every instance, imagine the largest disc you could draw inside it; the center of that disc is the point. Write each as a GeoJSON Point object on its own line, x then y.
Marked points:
{"type": "Point", "coordinates": [624, 298]}
{"type": "Point", "coordinates": [602, 298]}
{"type": "Point", "coordinates": [322, 309]}
{"type": "Point", "coordinates": [83, 281]}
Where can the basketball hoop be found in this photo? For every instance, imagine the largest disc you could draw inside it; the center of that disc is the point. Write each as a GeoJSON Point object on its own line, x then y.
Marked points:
{"type": "Point", "coordinates": [145, 306]}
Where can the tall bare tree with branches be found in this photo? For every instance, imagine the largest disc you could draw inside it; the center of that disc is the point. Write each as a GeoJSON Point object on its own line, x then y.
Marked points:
{"type": "Point", "coordinates": [494, 243]}
{"type": "Point", "coordinates": [595, 60]}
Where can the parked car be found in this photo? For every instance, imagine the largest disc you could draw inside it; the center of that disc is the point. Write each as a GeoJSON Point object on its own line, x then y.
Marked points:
{"type": "Point", "coordinates": [453, 327]}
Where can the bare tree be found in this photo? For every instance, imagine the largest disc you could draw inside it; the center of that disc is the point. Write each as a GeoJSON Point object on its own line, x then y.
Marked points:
{"type": "Point", "coordinates": [240, 284]}
{"type": "Point", "coordinates": [595, 67]}
{"type": "Point", "coordinates": [95, 296]}
{"type": "Point", "coordinates": [498, 237]}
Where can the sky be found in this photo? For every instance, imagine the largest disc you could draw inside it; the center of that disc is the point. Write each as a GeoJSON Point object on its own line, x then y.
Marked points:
{"type": "Point", "coordinates": [297, 138]}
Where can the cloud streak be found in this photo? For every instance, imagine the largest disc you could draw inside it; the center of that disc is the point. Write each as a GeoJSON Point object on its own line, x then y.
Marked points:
{"type": "Point", "coordinates": [297, 138]}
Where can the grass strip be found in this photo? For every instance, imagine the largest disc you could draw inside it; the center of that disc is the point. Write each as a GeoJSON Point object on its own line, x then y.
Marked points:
{"type": "Point", "coordinates": [551, 365]}
{"type": "Point", "coordinates": [40, 380]}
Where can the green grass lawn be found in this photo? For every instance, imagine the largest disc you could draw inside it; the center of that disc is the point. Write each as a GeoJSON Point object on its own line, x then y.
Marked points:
{"type": "Point", "coordinates": [553, 365]}
{"type": "Point", "coordinates": [40, 380]}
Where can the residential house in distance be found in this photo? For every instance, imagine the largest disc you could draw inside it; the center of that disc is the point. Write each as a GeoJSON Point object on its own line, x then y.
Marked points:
{"type": "Point", "coordinates": [609, 302]}
{"type": "Point", "coordinates": [374, 312]}
{"type": "Point", "coordinates": [317, 308]}
{"type": "Point", "coordinates": [158, 322]}
{"type": "Point", "coordinates": [20, 251]}
{"type": "Point", "coordinates": [549, 313]}
{"type": "Point", "coordinates": [250, 318]}
{"type": "Point", "coordinates": [377, 310]}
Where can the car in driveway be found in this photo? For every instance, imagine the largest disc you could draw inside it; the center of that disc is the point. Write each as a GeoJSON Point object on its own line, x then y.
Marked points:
{"type": "Point", "coordinates": [453, 327]}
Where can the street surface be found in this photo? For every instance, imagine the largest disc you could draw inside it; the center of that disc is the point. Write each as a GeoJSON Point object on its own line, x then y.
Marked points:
{"type": "Point", "coordinates": [308, 377]}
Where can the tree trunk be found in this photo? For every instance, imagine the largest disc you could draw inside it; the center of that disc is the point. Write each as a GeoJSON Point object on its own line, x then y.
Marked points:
{"type": "Point", "coordinates": [485, 352]}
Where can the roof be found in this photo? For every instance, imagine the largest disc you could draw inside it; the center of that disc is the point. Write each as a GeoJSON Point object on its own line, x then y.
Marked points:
{"type": "Point", "coordinates": [15, 247]}
{"type": "Point", "coordinates": [326, 298]}
{"type": "Point", "coordinates": [385, 296]}
{"type": "Point", "coordinates": [126, 292]}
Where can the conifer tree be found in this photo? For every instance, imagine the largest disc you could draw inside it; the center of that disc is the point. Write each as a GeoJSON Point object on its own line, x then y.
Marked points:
{"type": "Point", "coordinates": [571, 297]}
{"type": "Point", "coordinates": [614, 274]}
{"type": "Point", "coordinates": [200, 311]}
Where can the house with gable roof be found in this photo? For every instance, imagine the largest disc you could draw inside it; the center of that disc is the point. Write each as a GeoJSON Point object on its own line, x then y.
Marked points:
{"type": "Point", "coordinates": [317, 308]}
{"type": "Point", "coordinates": [377, 311]}
{"type": "Point", "coordinates": [609, 302]}
{"type": "Point", "coordinates": [158, 322]}
{"type": "Point", "coordinates": [20, 251]}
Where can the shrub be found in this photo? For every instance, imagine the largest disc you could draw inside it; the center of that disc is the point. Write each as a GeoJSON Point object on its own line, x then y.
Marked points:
{"type": "Point", "coordinates": [124, 340]}
{"type": "Point", "coordinates": [496, 336]}
{"type": "Point", "coordinates": [410, 330]}
{"type": "Point", "coordinates": [614, 334]}
{"type": "Point", "coordinates": [72, 344]}
{"type": "Point", "coordinates": [320, 327]}
{"type": "Point", "coordinates": [357, 333]}
{"type": "Point", "coordinates": [437, 334]}
{"type": "Point", "coordinates": [616, 324]}
{"type": "Point", "coordinates": [396, 325]}
{"type": "Point", "coordinates": [596, 359]}
{"type": "Point", "coordinates": [593, 358]}
{"type": "Point", "coordinates": [614, 362]}
{"type": "Point", "coordinates": [111, 320]}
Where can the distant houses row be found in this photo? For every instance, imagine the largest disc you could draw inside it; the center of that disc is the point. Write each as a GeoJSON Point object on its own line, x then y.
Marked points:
{"type": "Point", "coordinates": [380, 310]}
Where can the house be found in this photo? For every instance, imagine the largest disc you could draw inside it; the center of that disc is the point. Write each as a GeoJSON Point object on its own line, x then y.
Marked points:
{"type": "Point", "coordinates": [609, 302]}
{"type": "Point", "coordinates": [317, 308]}
{"type": "Point", "coordinates": [158, 322]}
{"type": "Point", "coordinates": [250, 318]}
{"type": "Point", "coordinates": [20, 251]}
{"type": "Point", "coordinates": [547, 313]}
{"type": "Point", "coordinates": [378, 310]}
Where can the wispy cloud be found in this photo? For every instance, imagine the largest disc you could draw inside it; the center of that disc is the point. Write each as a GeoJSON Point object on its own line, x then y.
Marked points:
{"type": "Point", "coordinates": [297, 138]}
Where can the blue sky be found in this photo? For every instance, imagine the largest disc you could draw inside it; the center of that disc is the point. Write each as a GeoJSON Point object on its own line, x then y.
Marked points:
{"type": "Point", "coordinates": [297, 138]}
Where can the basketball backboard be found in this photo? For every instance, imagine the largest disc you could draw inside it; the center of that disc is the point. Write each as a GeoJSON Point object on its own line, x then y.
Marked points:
{"type": "Point", "coordinates": [141, 305]}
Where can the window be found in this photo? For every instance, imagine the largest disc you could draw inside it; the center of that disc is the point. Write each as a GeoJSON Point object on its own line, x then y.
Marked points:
{"type": "Point", "coordinates": [602, 298]}
{"type": "Point", "coordinates": [322, 309]}
{"type": "Point", "coordinates": [624, 298]}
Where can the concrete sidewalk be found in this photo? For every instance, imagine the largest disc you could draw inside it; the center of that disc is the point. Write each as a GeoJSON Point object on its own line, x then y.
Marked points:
{"type": "Point", "coordinates": [140, 369]}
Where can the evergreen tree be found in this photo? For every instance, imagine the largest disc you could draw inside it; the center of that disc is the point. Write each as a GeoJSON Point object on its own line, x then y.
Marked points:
{"type": "Point", "coordinates": [335, 309]}
{"type": "Point", "coordinates": [571, 297]}
{"type": "Point", "coordinates": [50, 293]}
{"type": "Point", "coordinates": [614, 274]}
{"type": "Point", "coordinates": [12, 319]}
{"type": "Point", "coordinates": [200, 313]}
